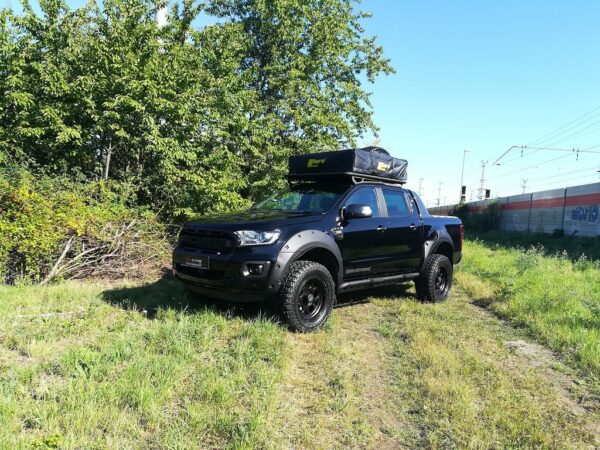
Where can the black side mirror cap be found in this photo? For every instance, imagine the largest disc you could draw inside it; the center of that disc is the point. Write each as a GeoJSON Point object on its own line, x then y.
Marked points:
{"type": "Point", "coordinates": [355, 211]}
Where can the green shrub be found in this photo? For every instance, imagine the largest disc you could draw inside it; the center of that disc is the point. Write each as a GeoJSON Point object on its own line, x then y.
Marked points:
{"type": "Point", "coordinates": [488, 219]}
{"type": "Point", "coordinates": [528, 259]}
{"type": "Point", "coordinates": [40, 217]}
{"type": "Point", "coordinates": [569, 247]}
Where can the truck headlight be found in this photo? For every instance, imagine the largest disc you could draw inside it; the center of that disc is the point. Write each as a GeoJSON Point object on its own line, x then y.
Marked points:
{"type": "Point", "coordinates": [249, 237]}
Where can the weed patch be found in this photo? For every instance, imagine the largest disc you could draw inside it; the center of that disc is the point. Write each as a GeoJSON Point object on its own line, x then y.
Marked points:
{"type": "Point", "coordinates": [556, 299]}
{"type": "Point", "coordinates": [115, 377]}
{"type": "Point", "coordinates": [146, 366]}
{"type": "Point", "coordinates": [455, 378]}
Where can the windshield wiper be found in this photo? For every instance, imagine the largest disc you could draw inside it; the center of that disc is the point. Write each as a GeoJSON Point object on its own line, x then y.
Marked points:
{"type": "Point", "coordinates": [299, 211]}
{"type": "Point", "coordinates": [286, 211]}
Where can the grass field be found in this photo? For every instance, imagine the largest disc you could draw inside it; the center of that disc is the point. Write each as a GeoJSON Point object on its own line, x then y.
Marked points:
{"type": "Point", "coordinates": [145, 366]}
{"type": "Point", "coordinates": [78, 371]}
{"type": "Point", "coordinates": [554, 296]}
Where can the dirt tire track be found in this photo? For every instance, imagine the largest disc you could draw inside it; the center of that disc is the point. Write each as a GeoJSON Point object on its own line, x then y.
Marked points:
{"type": "Point", "coordinates": [338, 388]}
{"type": "Point", "coordinates": [348, 406]}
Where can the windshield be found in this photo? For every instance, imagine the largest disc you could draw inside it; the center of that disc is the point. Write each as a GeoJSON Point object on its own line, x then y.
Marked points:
{"type": "Point", "coordinates": [302, 199]}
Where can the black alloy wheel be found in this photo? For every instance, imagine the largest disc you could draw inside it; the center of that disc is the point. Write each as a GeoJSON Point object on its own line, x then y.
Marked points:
{"type": "Point", "coordinates": [307, 296]}
{"type": "Point", "coordinates": [311, 298]}
{"type": "Point", "coordinates": [435, 281]}
{"type": "Point", "coordinates": [441, 280]}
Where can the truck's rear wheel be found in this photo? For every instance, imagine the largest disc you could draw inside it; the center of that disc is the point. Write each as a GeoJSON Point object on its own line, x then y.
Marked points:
{"type": "Point", "coordinates": [307, 296]}
{"type": "Point", "coordinates": [435, 281]}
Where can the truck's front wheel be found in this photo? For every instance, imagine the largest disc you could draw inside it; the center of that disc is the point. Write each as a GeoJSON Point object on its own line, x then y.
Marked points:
{"type": "Point", "coordinates": [435, 281]}
{"type": "Point", "coordinates": [307, 296]}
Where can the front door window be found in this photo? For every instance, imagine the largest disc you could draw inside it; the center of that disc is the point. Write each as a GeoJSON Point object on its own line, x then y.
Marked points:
{"type": "Point", "coordinates": [367, 197]}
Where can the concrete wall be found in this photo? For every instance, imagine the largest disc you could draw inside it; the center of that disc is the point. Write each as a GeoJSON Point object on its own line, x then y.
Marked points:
{"type": "Point", "coordinates": [548, 211]}
{"type": "Point", "coordinates": [576, 210]}
{"type": "Point", "coordinates": [582, 210]}
{"type": "Point", "coordinates": [515, 214]}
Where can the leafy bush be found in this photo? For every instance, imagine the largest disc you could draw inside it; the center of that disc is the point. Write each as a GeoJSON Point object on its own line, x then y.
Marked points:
{"type": "Point", "coordinates": [569, 247]}
{"type": "Point", "coordinates": [61, 228]}
{"type": "Point", "coordinates": [530, 258]}
{"type": "Point", "coordinates": [487, 219]}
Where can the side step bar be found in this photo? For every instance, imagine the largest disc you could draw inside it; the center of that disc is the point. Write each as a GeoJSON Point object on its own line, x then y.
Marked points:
{"type": "Point", "coordinates": [376, 281]}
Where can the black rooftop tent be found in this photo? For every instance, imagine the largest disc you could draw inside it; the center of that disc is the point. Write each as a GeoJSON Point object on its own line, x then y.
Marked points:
{"type": "Point", "coordinates": [360, 164]}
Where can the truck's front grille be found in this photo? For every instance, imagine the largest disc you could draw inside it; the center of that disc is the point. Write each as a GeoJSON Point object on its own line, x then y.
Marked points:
{"type": "Point", "coordinates": [209, 240]}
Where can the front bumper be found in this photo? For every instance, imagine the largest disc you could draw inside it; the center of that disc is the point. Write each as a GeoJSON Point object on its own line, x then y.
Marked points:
{"type": "Point", "coordinates": [224, 278]}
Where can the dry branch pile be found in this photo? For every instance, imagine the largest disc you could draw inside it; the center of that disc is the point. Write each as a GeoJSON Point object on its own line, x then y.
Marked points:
{"type": "Point", "coordinates": [134, 249]}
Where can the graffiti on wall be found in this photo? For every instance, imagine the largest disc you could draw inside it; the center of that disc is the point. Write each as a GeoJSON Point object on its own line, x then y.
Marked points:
{"type": "Point", "coordinates": [585, 214]}
{"type": "Point", "coordinates": [543, 211]}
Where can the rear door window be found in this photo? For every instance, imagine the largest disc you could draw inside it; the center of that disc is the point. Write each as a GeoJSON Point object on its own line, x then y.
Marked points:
{"type": "Point", "coordinates": [396, 203]}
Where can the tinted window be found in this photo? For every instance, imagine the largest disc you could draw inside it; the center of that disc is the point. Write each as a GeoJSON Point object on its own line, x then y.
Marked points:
{"type": "Point", "coordinates": [364, 197]}
{"type": "Point", "coordinates": [303, 199]}
{"type": "Point", "coordinates": [396, 203]}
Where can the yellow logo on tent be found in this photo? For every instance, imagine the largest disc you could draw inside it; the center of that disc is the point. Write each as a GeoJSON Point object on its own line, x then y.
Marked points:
{"type": "Point", "coordinates": [382, 167]}
{"type": "Point", "coordinates": [315, 162]}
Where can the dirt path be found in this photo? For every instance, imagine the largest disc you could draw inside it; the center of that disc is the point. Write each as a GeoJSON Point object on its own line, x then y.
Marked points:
{"type": "Point", "coordinates": [335, 392]}
{"type": "Point", "coordinates": [571, 393]}
{"type": "Point", "coordinates": [394, 373]}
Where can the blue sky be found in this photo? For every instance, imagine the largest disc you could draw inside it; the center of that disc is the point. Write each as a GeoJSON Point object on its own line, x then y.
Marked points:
{"type": "Point", "coordinates": [486, 75]}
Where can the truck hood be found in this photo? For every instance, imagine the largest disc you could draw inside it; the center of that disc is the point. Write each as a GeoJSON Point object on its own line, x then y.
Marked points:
{"type": "Point", "coordinates": [254, 220]}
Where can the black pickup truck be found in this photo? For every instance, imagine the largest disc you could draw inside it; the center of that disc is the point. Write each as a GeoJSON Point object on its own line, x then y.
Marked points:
{"type": "Point", "coordinates": [330, 232]}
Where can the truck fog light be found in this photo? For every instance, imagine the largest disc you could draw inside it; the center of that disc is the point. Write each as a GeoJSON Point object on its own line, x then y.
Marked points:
{"type": "Point", "coordinates": [253, 269]}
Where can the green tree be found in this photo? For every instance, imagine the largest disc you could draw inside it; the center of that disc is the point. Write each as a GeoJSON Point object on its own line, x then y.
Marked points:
{"type": "Point", "coordinates": [38, 95]}
{"type": "Point", "coordinates": [193, 118]}
{"type": "Point", "coordinates": [303, 63]}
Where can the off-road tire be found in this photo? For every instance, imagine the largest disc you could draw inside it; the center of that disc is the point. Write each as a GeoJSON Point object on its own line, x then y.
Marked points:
{"type": "Point", "coordinates": [305, 282]}
{"type": "Point", "coordinates": [435, 281]}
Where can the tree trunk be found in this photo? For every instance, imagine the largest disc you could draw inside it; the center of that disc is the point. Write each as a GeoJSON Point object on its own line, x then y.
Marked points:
{"type": "Point", "coordinates": [107, 165]}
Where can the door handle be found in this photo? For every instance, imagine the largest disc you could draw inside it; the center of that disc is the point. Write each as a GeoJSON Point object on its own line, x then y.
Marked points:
{"type": "Point", "coordinates": [412, 227]}
{"type": "Point", "coordinates": [381, 228]}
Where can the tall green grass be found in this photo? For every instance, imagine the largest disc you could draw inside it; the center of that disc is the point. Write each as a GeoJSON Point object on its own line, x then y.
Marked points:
{"type": "Point", "coordinates": [101, 365]}
{"type": "Point", "coordinates": [555, 298]}
{"type": "Point", "coordinates": [457, 383]}
{"type": "Point", "coordinates": [78, 369]}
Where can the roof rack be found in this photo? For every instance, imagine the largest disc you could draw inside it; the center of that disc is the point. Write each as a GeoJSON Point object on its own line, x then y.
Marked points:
{"type": "Point", "coordinates": [340, 177]}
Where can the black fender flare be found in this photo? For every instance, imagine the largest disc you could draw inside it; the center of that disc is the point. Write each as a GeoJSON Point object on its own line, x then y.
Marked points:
{"type": "Point", "coordinates": [296, 246]}
{"type": "Point", "coordinates": [433, 241]}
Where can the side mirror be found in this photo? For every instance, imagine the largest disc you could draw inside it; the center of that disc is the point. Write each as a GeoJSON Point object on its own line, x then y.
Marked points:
{"type": "Point", "coordinates": [355, 211]}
